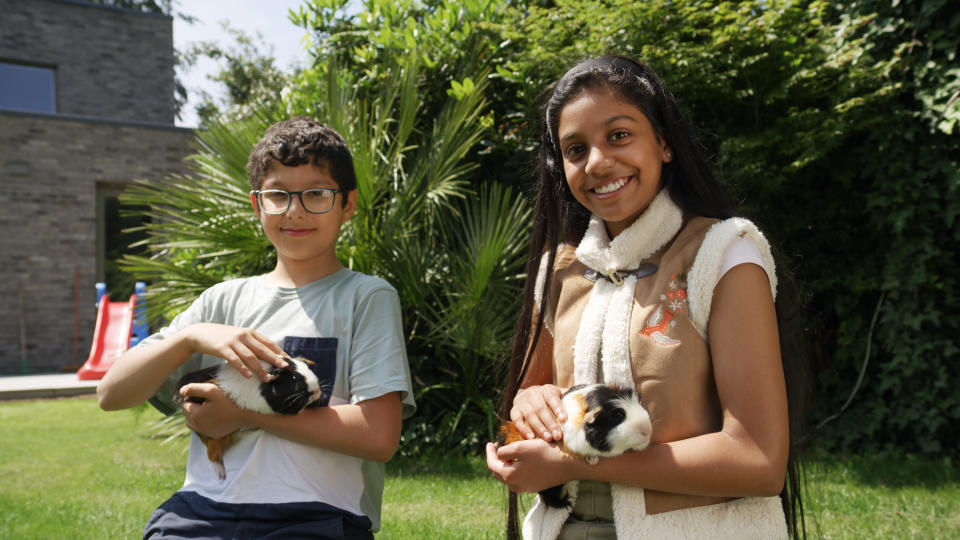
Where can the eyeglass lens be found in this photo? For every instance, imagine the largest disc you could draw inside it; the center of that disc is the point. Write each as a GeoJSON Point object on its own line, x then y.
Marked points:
{"type": "Point", "coordinates": [315, 201]}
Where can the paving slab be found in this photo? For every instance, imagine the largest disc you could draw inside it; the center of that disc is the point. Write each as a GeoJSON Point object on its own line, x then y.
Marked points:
{"type": "Point", "coordinates": [44, 386]}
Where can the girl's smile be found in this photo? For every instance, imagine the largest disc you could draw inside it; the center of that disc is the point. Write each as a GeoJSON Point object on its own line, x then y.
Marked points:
{"type": "Point", "coordinates": [609, 189]}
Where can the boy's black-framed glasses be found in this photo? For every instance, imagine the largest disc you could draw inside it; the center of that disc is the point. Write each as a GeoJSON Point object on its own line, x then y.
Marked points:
{"type": "Point", "coordinates": [314, 201]}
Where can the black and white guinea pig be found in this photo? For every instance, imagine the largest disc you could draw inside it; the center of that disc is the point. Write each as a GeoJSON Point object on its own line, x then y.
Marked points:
{"type": "Point", "coordinates": [289, 390]}
{"type": "Point", "coordinates": [602, 421]}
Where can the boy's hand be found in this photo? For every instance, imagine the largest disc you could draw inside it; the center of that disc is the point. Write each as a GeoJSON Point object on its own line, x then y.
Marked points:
{"type": "Point", "coordinates": [242, 348]}
{"type": "Point", "coordinates": [217, 416]}
{"type": "Point", "coordinates": [538, 411]}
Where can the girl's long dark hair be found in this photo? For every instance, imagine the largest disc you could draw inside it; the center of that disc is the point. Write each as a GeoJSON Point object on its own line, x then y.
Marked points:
{"type": "Point", "coordinates": [690, 181]}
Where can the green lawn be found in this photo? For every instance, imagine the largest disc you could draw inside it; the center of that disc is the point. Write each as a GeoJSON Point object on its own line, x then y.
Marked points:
{"type": "Point", "coordinates": [71, 471]}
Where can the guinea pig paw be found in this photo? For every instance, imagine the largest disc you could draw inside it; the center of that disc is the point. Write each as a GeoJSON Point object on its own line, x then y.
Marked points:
{"type": "Point", "coordinates": [592, 460]}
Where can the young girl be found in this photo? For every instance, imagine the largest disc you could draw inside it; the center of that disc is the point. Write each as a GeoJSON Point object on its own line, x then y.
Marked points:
{"type": "Point", "coordinates": [639, 276]}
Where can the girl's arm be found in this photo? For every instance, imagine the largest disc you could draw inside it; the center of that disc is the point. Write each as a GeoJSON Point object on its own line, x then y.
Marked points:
{"type": "Point", "coordinates": [746, 457]}
{"type": "Point", "coordinates": [138, 373]}
{"type": "Point", "coordinates": [369, 429]}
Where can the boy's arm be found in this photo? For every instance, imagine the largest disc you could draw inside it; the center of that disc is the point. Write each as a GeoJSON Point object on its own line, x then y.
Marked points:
{"type": "Point", "coordinates": [369, 429]}
{"type": "Point", "coordinates": [138, 373]}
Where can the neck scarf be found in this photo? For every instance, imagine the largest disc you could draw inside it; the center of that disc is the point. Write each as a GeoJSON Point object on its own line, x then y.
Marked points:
{"type": "Point", "coordinates": [605, 325]}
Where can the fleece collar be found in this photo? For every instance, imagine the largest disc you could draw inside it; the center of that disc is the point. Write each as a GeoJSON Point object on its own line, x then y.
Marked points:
{"type": "Point", "coordinates": [656, 226]}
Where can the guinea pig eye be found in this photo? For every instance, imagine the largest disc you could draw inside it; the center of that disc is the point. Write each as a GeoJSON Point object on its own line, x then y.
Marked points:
{"type": "Point", "coordinates": [619, 415]}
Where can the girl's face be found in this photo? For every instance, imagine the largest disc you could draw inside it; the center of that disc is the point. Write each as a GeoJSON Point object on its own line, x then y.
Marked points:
{"type": "Point", "coordinates": [611, 157]}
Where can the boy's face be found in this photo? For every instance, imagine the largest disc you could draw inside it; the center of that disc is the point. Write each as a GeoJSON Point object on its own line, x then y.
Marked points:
{"type": "Point", "coordinates": [300, 237]}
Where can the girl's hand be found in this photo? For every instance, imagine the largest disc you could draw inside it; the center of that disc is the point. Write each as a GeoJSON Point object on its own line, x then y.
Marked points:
{"type": "Point", "coordinates": [531, 466]}
{"type": "Point", "coordinates": [217, 416]}
{"type": "Point", "coordinates": [242, 348]}
{"type": "Point", "coordinates": [538, 411]}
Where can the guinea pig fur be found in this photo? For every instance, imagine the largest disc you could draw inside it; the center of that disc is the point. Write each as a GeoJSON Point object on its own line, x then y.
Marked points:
{"type": "Point", "coordinates": [602, 421]}
{"type": "Point", "coordinates": [289, 390]}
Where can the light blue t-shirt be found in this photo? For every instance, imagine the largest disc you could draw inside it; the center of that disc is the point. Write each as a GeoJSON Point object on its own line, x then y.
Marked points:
{"type": "Point", "coordinates": [349, 324]}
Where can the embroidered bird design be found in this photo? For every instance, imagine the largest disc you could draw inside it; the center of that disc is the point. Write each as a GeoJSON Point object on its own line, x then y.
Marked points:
{"type": "Point", "coordinates": [657, 324]}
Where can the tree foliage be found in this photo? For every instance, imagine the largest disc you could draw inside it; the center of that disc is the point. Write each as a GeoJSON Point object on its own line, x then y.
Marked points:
{"type": "Point", "coordinates": [248, 75]}
{"type": "Point", "coordinates": [836, 125]}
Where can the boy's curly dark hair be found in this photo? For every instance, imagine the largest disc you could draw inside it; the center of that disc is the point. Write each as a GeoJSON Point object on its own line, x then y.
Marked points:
{"type": "Point", "coordinates": [298, 141]}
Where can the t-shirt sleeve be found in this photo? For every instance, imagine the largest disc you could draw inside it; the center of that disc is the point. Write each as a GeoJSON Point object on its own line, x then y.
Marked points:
{"type": "Point", "coordinates": [378, 356]}
{"type": "Point", "coordinates": [163, 399]}
{"type": "Point", "coordinates": [741, 251]}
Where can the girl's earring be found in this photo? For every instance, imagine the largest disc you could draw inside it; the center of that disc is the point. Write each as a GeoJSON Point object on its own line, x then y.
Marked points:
{"type": "Point", "coordinates": [669, 156]}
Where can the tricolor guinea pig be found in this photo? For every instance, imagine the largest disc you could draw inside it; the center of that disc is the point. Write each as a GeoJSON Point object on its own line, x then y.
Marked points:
{"type": "Point", "coordinates": [289, 390]}
{"type": "Point", "coordinates": [602, 421]}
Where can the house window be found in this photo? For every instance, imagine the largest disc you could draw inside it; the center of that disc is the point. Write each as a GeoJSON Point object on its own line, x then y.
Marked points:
{"type": "Point", "coordinates": [27, 88]}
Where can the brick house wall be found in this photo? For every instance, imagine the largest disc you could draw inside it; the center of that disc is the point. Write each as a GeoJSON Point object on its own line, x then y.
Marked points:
{"type": "Point", "coordinates": [110, 63]}
{"type": "Point", "coordinates": [114, 124]}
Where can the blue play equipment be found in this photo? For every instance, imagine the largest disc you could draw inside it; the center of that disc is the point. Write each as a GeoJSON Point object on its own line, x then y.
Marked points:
{"type": "Point", "coordinates": [140, 330]}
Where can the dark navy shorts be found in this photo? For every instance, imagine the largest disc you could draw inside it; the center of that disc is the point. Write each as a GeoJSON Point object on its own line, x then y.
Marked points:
{"type": "Point", "coordinates": [188, 515]}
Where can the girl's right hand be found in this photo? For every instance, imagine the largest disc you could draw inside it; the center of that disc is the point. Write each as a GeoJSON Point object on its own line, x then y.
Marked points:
{"type": "Point", "coordinates": [538, 412]}
{"type": "Point", "coordinates": [242, 348]}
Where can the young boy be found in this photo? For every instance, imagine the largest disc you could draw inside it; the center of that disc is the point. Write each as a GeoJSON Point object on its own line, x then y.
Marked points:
{"type": "Point", "coordinates": [317, 474]}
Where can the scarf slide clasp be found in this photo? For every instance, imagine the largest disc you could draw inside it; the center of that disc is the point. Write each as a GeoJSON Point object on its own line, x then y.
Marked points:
{"type": "Point", "coordinates": [642, 271]}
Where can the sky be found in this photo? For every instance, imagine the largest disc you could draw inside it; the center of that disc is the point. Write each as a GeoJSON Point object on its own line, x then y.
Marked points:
{"type": "Point", "coordinates": [269, 17]}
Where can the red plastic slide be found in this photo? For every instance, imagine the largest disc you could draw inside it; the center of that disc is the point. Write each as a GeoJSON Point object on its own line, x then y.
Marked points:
{"type": "Point", "coordinates": [111, 336]}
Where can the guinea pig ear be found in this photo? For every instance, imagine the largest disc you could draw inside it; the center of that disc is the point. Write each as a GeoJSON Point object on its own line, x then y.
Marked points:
{"type": "Point", "coordinates": [591, 416]}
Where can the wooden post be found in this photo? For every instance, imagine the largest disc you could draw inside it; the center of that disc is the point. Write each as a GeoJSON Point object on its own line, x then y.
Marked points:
{"type": "Point", "coordinates": [76, 318]}
{"type": "Point", "coordinates": [23, 329]}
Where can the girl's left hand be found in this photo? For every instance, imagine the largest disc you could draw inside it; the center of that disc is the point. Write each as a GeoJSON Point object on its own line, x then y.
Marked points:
{"type": "Point", "coordinates": [531, 466]}
{"type": "Point", "coordinates": [217, 416]}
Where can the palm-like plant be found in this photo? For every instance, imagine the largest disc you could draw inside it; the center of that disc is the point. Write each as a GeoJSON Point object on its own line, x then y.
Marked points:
{"type": "Point", "coordinates": [454, 255]}
{"type": "Point", "coordinates": [200, 228]}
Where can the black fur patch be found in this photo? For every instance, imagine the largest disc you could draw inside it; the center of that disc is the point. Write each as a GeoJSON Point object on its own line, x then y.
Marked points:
{"type": "Point", "coordinates": [199, 376]}
{"type": "Point", "coordinates": [287, 393]}
{"type": "Point", "coordinates": [556, 497]}
{"type": "Point", "coordinates": [610, 415]}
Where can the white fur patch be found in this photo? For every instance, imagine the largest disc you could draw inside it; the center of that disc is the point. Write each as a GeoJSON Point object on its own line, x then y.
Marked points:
{"type": "Point", "coordinates": [243, 391]}
{"type": "Point", "coordinates": [246, 392]}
